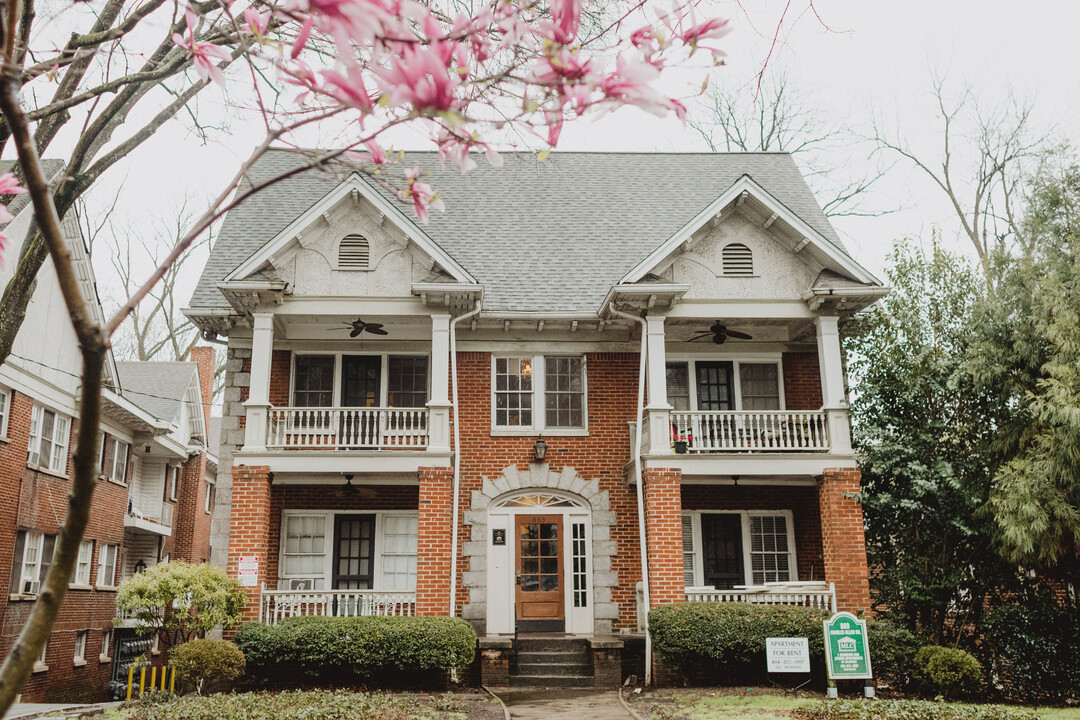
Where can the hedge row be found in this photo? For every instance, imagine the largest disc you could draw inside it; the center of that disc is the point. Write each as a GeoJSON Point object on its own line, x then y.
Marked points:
{"type": "Point", "coordinates": [724, 643]}
{"type": "Point", "coordinates": [908, 710]}
{"type": "Point", "coordinates": [330, 650]}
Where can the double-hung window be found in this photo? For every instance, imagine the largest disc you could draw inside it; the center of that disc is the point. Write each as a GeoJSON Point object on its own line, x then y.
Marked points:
{"type": "Point", "coordinates": [313, 381]}
{"type": "Point", "coordinates": [107, 565]}
{"type": "Point", "coordinates": [208, 500]}
{"type": "Point", "coordinates": [80, 647]}
{"type": "Point", "coordinates": [5, 411]}
{"type": "Point", "coordinates": [539, 393]}
{"type": "Point", "coordinates": [115, 462]}
{"type": "Point", "coordinates": [32, 559]}
{"type": "Point", "coordinates": [48, 439]}
{"type": "Point", "coordinates": [82, 565]}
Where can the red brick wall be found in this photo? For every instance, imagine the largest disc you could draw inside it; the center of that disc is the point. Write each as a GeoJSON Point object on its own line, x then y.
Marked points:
{"type": "Point", "coordinates": [802, 381]}
{"type": "Point", "coordinates": [280, 378]}
{"type": "Point", "coordinates": [191, 526]}
{"type": "Point", "coordinates": [802, 501]}
{"type": "Point", "coordinates": [843, 539]}
{"type": "Point", "coordinates": [433, 545]}
{"type": "Point", "coordinates": [249, 529]}
{"type": "Point", "coordinates": [329, 497]}
{"type": "Point", "coordinates": [663, 523]}
{"type": "Point", "coordinates": [612, 386]}
{"type": "Point", "coordinates": [38, 501]}
{"type": "Point", "coordinates": [204, 358]}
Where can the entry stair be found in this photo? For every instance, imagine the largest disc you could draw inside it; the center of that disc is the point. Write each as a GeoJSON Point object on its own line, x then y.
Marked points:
{"type": "Point", "coordinates": [552, 662]}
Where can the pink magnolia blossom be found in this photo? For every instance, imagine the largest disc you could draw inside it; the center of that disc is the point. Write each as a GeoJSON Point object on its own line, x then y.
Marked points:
{"type": "Point", "coordinates": [375, 154]}
{"type": "Point", "coordinates": [205, 56]}
{"type": "Point", "coordinates": [9, 185]}
{"type": "Point", "coordinates": [257, 22]}
{"type": "Point", "coordinates": [420, 195]}
{"type": "Point", "coordinates": [565, 21]}
{"type": "Point", "coordinates": [629, 85]}
{"type": "Point", "coordinates": [711, 29]}
{"type": "Point", "coordinates": [349, 89]}
{"type": "Point", "coordinates": [421, 77]}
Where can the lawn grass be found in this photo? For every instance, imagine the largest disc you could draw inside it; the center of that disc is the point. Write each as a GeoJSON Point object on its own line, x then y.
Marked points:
{"type": "Point", "coordinates": [733, 704]}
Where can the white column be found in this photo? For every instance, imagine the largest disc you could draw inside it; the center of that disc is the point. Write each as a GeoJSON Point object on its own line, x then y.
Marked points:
{"type": "Point", "coordinates": [439, 404]}
{"type": "Point", "coordinates": [834, 401]}
{"type": "Point", "coordinates": [657, 408]}
{"type": "Point", "coordinates": [258, 402]}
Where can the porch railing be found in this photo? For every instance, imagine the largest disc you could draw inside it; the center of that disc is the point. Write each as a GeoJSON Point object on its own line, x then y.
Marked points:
{"type": "Point", "coordinates": [147, 507]}
{"type": "Point", "coordinates": [751, 431]}
{"type": "Point", "coordinates": [277, 605]}
{"type": "Point", "coordinates": [816, 595]}
{"type": "Point", "coordinates": [348, 428]}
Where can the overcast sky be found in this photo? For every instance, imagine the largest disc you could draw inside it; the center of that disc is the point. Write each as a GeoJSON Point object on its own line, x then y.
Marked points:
{"type": "Point", "coordinates": [867, 58]}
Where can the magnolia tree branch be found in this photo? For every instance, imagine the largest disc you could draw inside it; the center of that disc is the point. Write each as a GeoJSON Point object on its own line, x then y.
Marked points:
{"type": "Point", "coordinates": [93, 347]}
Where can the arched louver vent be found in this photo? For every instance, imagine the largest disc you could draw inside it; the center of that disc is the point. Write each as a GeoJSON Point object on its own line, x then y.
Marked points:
{"type": "Point", "coordinates": [738, 260]}
{"type": "Point", "coordinates": [353, 253]}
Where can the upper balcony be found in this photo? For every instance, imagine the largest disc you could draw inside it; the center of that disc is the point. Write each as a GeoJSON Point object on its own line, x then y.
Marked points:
{"type": "Point", "coordinates": [146, 512]}
{"type": "Point", "coordinates": [341, 428]}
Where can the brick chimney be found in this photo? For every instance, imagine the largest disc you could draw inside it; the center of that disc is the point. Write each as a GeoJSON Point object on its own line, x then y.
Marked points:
{"type": "Point", "coordinates": [204, 357]}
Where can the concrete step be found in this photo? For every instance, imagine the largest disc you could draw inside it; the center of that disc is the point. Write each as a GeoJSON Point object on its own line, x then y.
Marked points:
{"type": "Point", "coordinates": [583, 669]}
{"type": "Point", "coordinates": [552, 645]}
{"type": "Point", "coordinates": [542, 681]}
{"type": "Point", "coordinates": [552, 657]}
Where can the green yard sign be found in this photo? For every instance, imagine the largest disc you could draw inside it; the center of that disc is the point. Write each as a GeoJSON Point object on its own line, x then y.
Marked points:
{"type": "Point", "coordinates": [847, 650]}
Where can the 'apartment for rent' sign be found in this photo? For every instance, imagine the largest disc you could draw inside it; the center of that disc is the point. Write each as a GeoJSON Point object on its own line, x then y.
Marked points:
{"type": "Point", "coordinates": [787, 655]}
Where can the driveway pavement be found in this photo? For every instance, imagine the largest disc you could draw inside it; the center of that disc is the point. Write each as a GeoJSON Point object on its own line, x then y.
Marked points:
{"type": "Point", "coordinates": [559, 703]}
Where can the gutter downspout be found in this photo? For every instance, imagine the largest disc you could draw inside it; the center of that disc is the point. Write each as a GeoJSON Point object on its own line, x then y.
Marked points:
{"type": "Point", "coordinates": [636, 451]}
{"type": "Point", "coordinates": [457, 452]}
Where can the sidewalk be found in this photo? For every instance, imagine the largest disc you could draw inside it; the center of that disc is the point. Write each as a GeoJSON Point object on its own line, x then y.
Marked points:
{"type": "Point", "coordinates": [559, 703]}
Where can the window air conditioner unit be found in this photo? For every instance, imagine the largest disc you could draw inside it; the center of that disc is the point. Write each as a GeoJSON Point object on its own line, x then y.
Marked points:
{"type": "Point", "coordinates": [30, 587]}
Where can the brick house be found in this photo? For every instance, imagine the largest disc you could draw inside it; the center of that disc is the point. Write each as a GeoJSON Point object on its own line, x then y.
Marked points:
{"type": "Point", "coordinates": [363, 349]}
{"type": "Point", "coordinates": [151, 501]}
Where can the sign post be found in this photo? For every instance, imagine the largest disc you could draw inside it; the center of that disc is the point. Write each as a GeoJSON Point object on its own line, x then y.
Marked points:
{"type": "Point", "coordinates": [788, 655]}
{"type": "Point", "coordinates": [847, 651]}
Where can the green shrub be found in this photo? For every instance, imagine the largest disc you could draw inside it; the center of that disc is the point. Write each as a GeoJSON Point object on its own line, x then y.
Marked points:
{"type": "Point", "coordinates": [296, 705]}
{"type": "Point", "coordinates": [725, 642]}
{"type": "Point", "coordinates": [892, 652]}
{"type": "Point", "coordinates": [329, 650]}
{"type": "Point", "coordinates": [907, 710]}
{"type": "Point", "coordinates": [203, 661]}
{"type": "Point", "coordinates": [1034, 649]}
{"type": "Point", "coordinates": [948, 671]}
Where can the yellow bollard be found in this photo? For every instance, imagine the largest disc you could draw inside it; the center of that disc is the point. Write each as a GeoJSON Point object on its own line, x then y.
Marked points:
{"type": "Point", "coordinates": [172, 682]}
{"type": "Point", "coordinates": [142, 679]}
{"type": "Point", "coordinates": [131, 677]}
{"type": "Point", "coordinates": [164, 672]}
{"type": "Point", "coordinates": [153, 678]}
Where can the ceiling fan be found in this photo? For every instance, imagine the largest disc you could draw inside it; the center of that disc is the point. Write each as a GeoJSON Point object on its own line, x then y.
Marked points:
{"type": "Point", "coordinates": [719, 334]}
{"type": "Point", "coordinates": [359, 326]}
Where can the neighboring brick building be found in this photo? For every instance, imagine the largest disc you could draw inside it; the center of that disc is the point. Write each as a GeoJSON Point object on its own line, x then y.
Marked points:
{"type": "Point", "coordinates": [154, 416]}
{"type": "Point", "coordinates": [712, 284]}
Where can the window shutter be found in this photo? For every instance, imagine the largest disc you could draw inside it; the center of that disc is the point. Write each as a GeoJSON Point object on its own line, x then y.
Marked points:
{"type": "Point", "coordinates": [48, 547]}
{"type": "Point", "coordinates": [688, 549]}
{"type": "Point", "coordinates": [353, 253]}
{"type": "Point", "coordinates": [738, 260]}
{"type": "Point", "coordinates": [35, 440]}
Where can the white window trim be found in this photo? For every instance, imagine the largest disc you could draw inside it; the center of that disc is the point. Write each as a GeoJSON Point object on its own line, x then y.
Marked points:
{"type": "Point", "coordinates": [80, 656]}
{"type": "Point", "coordinates": [735, 360]}
{"type": "Point", "coordinates": [59, 418]}
{"type": "Point", "coordinates": [384, 373]}
{"type": "Point", "coordinates": [106, 642]}
{"type": "Point", "coordinates": [39, 537]}
{"type": "Point", "coordinates": [208, 505]}
{"type": "Point", "coordinates": [39, 662]}
{"type": "Point", "coordinates": [102, 547]}
{"type": "Point", "coordinates": [116, 443]}
{"type": "Point", "coordinates": [172, 480]}
{"type": "Point", "coordinates": [75, 583]}
{"type": "Point", "coordinates": [5, 416]}
{"type": "Point", "coordinates": [744, 524]}
{"type": "Point", "coordinates": [539, 405]}
{"type": "Point", "coordinates": [328, 543]}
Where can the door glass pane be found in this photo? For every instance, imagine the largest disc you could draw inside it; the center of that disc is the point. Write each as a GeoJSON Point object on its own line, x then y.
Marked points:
{"type": "Point", "coordinates": [721, 539]}
{"type": "Point", "coordinates": [353, 550]}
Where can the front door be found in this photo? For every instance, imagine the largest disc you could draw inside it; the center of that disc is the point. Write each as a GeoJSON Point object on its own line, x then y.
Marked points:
{"type": "Point", "coordinates": [715, 389]}
{"type": "Point", "coordinates": [539, 593]}
{"type": "Point", "coordinates": [721, 539]}
{"type": "Point", "coordinates": [354, 550]}
{"type": "Point", "coordinates": [360, 376]}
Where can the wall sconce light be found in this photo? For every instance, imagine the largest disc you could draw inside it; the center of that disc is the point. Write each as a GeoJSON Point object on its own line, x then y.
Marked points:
{"type": "Point", "coordinates": [735, 479]}
{"type": "Point", "coordinates": [540, 450]}
{"type": "Point", "coordinates": [140, 566]}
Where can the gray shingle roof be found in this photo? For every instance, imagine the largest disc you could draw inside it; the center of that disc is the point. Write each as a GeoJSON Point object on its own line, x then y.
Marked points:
{"type": "Point", "coordinates": [156, 387]}
{"type": "Point", "coordinates": [540, 236]}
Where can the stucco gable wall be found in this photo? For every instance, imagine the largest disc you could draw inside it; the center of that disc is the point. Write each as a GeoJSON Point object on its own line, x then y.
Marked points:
{"type": "Point", "coordinates": [779, 274]}
{"type": "Point", "coordinates": [393, 265]}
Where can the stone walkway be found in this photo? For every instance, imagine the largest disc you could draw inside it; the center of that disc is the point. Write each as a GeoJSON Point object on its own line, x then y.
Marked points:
{"type": "Point", "coordinates": [559, 703]}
